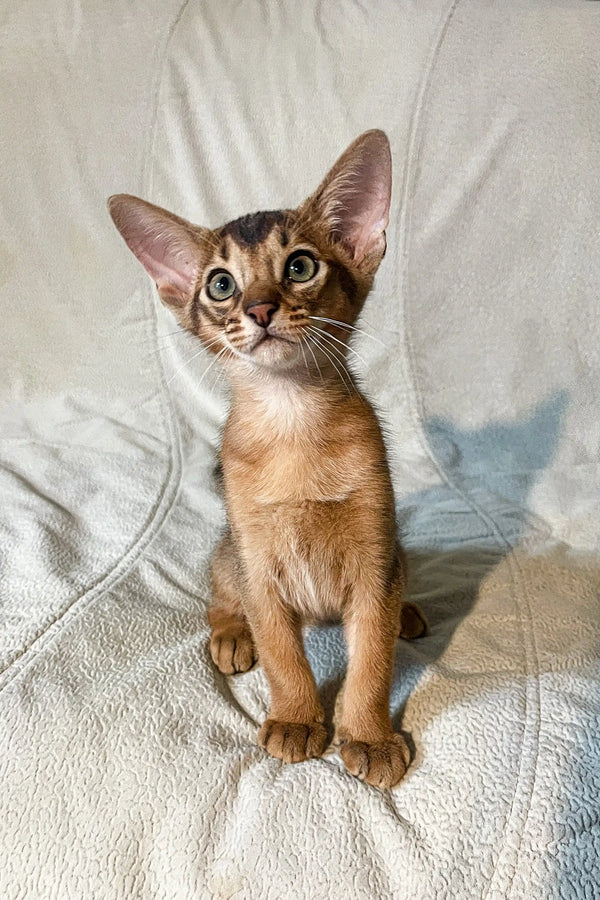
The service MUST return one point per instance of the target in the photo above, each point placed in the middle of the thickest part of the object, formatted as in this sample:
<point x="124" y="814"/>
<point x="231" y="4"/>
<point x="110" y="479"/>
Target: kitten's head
<point x="260" y="288"/>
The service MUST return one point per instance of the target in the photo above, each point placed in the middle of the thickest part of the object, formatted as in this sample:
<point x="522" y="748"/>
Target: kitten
<point x="312" y="531"/>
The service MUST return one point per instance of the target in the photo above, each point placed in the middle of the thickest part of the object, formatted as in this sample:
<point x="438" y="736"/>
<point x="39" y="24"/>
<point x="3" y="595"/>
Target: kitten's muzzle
<point x="262" y="313"/>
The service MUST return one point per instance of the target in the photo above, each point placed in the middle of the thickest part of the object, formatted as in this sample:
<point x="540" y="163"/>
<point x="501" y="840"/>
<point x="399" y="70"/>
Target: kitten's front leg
<point x="369" y="747"/>
<point x="294" y="730"/>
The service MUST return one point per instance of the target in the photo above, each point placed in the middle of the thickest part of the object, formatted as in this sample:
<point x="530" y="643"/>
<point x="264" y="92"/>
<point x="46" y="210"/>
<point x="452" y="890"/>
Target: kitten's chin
<point x="275" y="353"/>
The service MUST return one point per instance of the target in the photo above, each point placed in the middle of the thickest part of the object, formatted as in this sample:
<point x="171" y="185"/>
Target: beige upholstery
<point x="129" y="765"/>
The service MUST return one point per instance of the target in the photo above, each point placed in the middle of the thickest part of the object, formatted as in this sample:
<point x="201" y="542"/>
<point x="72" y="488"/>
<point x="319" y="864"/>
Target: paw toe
<point x="292" y="741"/>
<point x="232" y="653"/>
<point x="382" y="763"/>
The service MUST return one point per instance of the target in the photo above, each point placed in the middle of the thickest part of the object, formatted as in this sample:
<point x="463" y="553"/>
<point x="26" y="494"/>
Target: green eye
<point x="301" y="267"/>
<point x="220" y="286"/>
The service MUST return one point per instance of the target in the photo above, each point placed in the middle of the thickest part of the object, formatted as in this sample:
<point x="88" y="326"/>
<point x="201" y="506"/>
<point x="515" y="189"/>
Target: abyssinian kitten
<point x="311" y="526"/>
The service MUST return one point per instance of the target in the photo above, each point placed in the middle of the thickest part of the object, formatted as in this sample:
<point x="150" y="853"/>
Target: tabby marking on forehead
<point x="252" y="229"/>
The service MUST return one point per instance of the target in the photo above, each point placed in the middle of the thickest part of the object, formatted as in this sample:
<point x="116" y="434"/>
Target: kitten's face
<point x="260" y="289"/>
<point x="266" y="282"/>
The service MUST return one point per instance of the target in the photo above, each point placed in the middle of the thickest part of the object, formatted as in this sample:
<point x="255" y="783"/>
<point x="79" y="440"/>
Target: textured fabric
<point x="128" y="765"/>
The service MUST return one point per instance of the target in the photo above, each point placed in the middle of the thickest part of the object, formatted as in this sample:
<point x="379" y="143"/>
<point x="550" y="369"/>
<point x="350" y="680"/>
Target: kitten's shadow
<point x="450" y="548"/>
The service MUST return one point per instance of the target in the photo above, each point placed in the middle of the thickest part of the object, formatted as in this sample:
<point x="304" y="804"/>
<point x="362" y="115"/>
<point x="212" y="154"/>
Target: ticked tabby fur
<point x="311" y="527"/>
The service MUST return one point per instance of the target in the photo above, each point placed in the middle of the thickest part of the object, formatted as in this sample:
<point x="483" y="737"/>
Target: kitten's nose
<point x="262" y="313"/>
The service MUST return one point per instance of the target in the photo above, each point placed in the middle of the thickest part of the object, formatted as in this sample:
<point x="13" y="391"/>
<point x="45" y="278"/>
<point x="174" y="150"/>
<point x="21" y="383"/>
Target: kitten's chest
<point x="302" y="547"/>
<point x="288" y="453"/>
<point x="291" y="474"/>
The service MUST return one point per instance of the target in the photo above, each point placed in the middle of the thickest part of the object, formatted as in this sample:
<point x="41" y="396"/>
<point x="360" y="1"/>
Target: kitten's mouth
<point x="269" y="338"/>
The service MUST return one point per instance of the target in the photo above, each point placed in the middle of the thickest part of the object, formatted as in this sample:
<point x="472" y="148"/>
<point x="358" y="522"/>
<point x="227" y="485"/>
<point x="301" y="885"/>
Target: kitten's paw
<point x="292" y="741"/>
<point x="413" y="623"/>
<point x="232" y="650"/>
<point x="381" y="764"/>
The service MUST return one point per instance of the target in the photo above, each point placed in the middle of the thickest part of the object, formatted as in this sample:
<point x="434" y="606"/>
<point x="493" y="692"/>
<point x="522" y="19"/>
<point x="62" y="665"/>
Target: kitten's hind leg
<point x="231" y="644"/>
<point x="413" y="623"/>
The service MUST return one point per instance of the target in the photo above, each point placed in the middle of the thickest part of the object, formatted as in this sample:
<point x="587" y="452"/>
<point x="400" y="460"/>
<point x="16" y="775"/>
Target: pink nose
<point x="262" y="313"/>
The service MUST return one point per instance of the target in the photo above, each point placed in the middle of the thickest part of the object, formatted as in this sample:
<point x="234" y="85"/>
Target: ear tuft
<point x="165" y="245"/>
<point x="353" y="200"/>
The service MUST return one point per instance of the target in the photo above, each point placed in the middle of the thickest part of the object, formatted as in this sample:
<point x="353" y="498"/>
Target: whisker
<point x="219" y="354"/>
<point x="337" y="353"/>
<point x="331" y="359"/>
<point x="187" y="361"/>
<point x="331" y="337"/>
<point x="304" y="356"/>
<point x="165" y="348"/>
<point x="176" y="373"/>
<point x="314" y="357"/>
<point x="349" y="327"/>
<point x="178" y="331"/>
<point x="334" y="362"/>
<point x="152" y="338"/>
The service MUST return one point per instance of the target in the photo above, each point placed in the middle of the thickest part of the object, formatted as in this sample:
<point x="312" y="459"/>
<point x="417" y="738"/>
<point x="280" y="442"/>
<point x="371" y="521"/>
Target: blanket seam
<point x="167" y="494"/>
<point x="416" y="409"/>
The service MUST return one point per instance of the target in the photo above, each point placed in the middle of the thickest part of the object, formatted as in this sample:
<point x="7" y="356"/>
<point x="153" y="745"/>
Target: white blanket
<point x="129" y="765"/>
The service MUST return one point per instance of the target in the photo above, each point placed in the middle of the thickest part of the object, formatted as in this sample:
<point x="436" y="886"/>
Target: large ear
<point x="353" y="200"/>
<point x="166" y="246"/>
